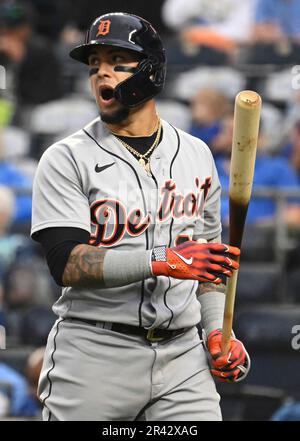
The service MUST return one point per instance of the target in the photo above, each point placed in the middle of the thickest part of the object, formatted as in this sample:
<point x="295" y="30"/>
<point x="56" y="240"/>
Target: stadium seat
<point x="239" y="402"/>
<point x="57" y="119"/>
<point x="258" y="243"/>
<point x="35" y="326"/>
<point x="15" y="143"/>
<point x="269" y="334"/>
<point x="272" y="121"/>
<point x="278" y="86"/>
<point x="266" y="286"/>
<point x="225" y="79"/>
<point x="62" y="117"/>
<point x="17" y="357"/>
<point x="175" y="113"/>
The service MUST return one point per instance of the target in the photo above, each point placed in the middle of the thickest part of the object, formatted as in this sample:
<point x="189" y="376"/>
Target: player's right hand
<point x="205" y="262"/>
<point x="231" y="367"/>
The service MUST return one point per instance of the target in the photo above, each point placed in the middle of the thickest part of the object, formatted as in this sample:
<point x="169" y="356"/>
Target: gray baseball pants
<point x="90" y="373"/>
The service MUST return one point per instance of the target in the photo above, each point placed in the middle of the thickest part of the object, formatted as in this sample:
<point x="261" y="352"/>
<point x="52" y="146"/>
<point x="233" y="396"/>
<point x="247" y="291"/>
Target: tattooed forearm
<point x="85" y="267"/>
<point x="210" y="287"/>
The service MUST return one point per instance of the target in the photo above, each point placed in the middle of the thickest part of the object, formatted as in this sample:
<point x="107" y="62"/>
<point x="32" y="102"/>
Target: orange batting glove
<point x="205" y="262"/>
<point x="232" y="367"/>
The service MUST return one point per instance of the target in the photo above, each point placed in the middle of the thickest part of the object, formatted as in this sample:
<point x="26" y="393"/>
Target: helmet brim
<point x="81" y="53"/>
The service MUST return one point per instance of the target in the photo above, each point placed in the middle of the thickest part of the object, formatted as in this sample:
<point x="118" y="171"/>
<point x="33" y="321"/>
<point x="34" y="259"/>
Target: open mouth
<point x="107" y="93"/>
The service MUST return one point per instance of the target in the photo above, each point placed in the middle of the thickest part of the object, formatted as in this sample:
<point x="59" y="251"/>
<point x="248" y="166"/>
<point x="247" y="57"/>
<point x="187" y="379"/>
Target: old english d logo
<point x="104" y="27"/>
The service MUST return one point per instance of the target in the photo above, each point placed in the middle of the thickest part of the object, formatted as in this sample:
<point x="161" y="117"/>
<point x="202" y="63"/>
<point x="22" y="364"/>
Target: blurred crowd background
<point x="214" y="49"/>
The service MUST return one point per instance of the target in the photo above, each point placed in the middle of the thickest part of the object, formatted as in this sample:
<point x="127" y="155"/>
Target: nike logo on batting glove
<point x="187" y="261"/>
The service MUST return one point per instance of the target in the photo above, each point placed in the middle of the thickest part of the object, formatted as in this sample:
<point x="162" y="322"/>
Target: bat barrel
<point x="244" y="145"/>
<point x="245" y="134"/>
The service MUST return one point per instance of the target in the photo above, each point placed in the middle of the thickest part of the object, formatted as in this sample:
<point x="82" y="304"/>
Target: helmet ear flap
<point x="140" y="87"/>
<point x="144" y="84"/>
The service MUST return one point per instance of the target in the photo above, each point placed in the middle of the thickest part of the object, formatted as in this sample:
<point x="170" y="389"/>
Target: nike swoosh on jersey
<point x="187" y="261"/>
<point x="99" y="169"/>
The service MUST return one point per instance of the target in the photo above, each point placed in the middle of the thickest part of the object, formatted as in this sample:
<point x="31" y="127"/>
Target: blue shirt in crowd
<point x="206" y="133"/>
<point x="21" y="402"/>
<point x="287" y="412"/>
<point x="285" y="13"/>
<point x="274" y="172"/>
<point x="13" y="178"/>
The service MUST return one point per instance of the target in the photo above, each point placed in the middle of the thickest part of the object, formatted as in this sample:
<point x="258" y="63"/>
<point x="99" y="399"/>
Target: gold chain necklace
<point x="143" y="160"/>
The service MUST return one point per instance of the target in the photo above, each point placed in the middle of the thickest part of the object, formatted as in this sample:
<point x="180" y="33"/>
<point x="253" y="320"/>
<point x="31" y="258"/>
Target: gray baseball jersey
<point x="89" y="180"/>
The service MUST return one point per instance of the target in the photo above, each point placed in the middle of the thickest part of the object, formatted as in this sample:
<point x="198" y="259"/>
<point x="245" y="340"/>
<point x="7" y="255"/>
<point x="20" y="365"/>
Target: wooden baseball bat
<point x="244" y="145"/>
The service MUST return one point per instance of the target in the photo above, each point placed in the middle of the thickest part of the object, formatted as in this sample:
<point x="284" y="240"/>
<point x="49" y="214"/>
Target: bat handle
<point x="228" y="312"/>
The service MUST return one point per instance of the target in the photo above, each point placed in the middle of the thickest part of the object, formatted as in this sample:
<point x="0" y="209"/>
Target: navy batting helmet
<point x="130" y="32"/>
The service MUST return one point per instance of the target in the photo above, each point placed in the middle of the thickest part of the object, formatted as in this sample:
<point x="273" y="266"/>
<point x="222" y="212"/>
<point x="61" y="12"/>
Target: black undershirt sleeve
<point x="57" y="244"/>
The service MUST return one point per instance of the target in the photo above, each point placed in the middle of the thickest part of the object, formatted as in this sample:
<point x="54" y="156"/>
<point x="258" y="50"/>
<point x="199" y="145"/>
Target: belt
<point x="152" y="335"/>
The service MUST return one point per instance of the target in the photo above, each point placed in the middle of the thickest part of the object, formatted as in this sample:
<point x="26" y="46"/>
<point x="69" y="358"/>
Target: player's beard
<point x="115" y="117"/>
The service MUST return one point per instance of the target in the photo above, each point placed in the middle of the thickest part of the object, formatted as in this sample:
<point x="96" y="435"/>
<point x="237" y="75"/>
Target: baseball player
<point x="127" y="212"/>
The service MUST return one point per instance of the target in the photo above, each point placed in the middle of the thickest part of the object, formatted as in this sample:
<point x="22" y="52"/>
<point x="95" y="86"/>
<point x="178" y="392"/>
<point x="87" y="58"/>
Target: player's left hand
<point x="231" y="367"/>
